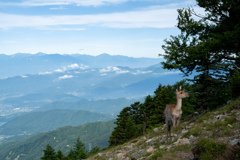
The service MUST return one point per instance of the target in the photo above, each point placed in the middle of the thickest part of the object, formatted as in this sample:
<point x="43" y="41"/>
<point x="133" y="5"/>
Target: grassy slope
<point x="210" y="134"/>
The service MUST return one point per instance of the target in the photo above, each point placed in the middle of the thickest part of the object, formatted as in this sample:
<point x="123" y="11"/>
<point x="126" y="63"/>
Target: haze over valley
<point x="41" y="93"/>
<point x="29" y="82"/>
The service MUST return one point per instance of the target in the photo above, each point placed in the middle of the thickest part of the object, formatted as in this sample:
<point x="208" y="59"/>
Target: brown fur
<point x="173" y="106"/>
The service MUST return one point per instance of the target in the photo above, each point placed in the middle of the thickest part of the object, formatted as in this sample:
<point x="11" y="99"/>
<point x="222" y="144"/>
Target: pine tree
<point x="49" y="153"/>
<point x="129" y="124"/>
<point x="71" y="155"/>
<point x="163" y="95"/>
<point x="208" y="45"/>
<point x="235" y="84"/>
<point x="136" y="113"/>
<point x="94" y="150"/>
<point x="60" y="155"/>
<point x="119" y="134"/>
<point x="79" y="150"/>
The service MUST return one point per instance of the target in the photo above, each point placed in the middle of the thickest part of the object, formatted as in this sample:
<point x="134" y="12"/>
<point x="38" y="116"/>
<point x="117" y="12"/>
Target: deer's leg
<point x="173" y="123"/>
<point x="178" y="122"/>
<point x="167" y="130"/>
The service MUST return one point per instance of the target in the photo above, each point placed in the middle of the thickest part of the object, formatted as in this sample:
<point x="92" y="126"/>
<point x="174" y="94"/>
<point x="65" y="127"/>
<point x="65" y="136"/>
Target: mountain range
<point x="41" y="79"/>
<point x="42" y="92"/>
<point x="23" y="63"/>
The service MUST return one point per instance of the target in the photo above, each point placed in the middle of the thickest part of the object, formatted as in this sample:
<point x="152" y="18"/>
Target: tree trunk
<point x="144" y="123"/>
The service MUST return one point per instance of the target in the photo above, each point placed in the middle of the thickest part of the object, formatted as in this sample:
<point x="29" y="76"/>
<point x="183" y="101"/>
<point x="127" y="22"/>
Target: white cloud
<point x="153" y="18"/>
<point x="44" y="73"/>
<point x="24" y="76"/>
<point x="103" y="74"/>
<point x="75" y="66"/>
<point x="116" y="69"/>
<point x="161" y="16"/>
<point x="122" y="71"/>
<point x="113" y="69"/>
<point x="108" y="69"/>
<point x="141" y="72"/>
<point x="59" y="28"/>
<point x="58" y="8"/>
<point x="72" y="66"/>
<point x="64" y="2"/>
<point x="82" y="66"/>
<point x="65" y="77"/>
<point x="171" y="72"/>
<point x="59" y="70"/>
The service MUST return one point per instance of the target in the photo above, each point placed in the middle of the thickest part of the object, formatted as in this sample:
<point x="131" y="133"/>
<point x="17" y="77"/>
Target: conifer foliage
<point x="49" y="153"/>
<point x="78" y="152"/>
<point x="135" y="119"/>
<point x="208" y="45"/>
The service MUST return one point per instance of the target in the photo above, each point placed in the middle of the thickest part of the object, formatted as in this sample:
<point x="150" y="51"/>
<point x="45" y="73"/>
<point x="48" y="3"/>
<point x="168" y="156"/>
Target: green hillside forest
<point x="37" y="122"/>
<point x="91" y="134"/>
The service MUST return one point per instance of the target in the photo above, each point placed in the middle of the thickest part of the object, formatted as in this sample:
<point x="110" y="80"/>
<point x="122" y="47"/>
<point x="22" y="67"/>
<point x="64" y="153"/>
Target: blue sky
<point x="133" y="28"/>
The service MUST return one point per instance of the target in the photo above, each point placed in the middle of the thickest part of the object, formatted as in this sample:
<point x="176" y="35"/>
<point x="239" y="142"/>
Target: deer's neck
<point x="179" y="104"/>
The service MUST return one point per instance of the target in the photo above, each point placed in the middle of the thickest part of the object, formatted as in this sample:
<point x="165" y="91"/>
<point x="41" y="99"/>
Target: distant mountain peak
<point x="40" y="54"/>
<point x="104" y="55"/>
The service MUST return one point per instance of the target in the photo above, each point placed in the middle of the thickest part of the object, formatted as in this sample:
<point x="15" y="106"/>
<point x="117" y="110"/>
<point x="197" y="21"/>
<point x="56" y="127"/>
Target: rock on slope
<point x="217" y="128"/>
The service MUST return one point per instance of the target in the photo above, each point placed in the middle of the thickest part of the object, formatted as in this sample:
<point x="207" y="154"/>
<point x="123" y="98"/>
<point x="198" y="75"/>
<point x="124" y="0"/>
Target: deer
<point x="173" y="112"/>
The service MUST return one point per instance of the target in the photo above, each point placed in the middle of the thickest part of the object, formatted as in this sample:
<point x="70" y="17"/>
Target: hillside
<point x="36" y="122"/>
<point x="211" y="135"/>
<point x="61" y="139"/>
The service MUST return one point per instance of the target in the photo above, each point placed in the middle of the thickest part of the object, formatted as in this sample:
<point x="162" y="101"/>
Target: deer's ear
<point x="176" y="91"/>
<point x="180" y="88"/>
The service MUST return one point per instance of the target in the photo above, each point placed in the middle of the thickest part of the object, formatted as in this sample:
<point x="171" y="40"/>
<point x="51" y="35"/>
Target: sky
<point x="134" y="28"/>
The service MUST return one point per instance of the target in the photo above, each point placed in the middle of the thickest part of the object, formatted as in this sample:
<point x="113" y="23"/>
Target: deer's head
<point x="181" y="93"/>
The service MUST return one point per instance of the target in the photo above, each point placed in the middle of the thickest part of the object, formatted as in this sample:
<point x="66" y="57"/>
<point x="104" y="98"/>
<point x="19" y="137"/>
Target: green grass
<point x="180" y="148"/>
<point x="220" y="128"/>
<point x="195" y="131"/>
<point x="227" y="132"/>
<point x="204" y="117"/>
<point x="231" y="106"/>
<point x="210" y="149"/>
<point x="157" y="154"/>
<point x="230" y="120"/>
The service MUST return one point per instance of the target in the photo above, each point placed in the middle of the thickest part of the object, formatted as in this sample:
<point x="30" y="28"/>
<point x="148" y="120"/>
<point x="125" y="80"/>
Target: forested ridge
<point x="63" y="139"/>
